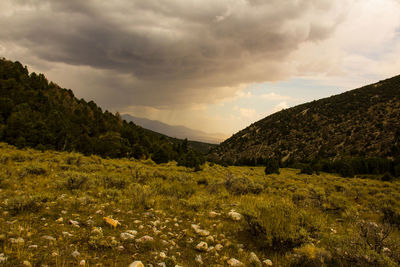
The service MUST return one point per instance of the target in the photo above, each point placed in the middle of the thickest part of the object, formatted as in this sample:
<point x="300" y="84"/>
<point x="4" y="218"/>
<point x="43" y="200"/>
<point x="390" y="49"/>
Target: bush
<point x="306" y="169"/>
<point x="35" y="169"/>
<point x="271" y="166"/>
<point x="31" y="203"/>
<point x="114" y="181"/>
<point x="387" y="177"/>
<point x="75" y="180"/>
<point x="242" y="185"/>
<point x="276" y="223"/>
<point x="309" y="255"/>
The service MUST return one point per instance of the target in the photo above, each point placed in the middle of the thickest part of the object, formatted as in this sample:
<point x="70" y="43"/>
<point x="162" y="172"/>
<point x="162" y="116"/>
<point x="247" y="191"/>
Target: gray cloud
<point x="165" y="53"/>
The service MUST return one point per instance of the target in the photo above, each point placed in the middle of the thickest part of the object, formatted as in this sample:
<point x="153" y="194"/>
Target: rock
<point x="67" y="234"/>
<point x="75" y="254"/>
<point x="132" y="232"/>
<point x="199" y="260"/>
<point x="145" y="239"/>
<point x="213" y="214"/>
<point x="235" y="215"/>
<point x="136" y="264"/>
<point x="74" y="223"/>
<point x="60" y="220"/>
<point x="82" y="263"/>
<point x="33" y="246"/>
<point x="234" y="262"/>
<point x="202" y="246"/>
<point x="137" y="221"/>
<point x="27" y="263"/>
<point x="210" y="239"/>
<point x="267" y="262"/>
<point x="162" y="264"/>
<point x="254" y="260"/>
<point x="97" y="231"/>
<point x="162" y="255"/>
<point x="50" y="238"/>
<point x="120" y="248"/>
<point x="199" y="231"/>
<point x="3" y="258"/>
<point x="218" y="247"/>
<point x="127" y="236"/>
<point x="54" y="254"/>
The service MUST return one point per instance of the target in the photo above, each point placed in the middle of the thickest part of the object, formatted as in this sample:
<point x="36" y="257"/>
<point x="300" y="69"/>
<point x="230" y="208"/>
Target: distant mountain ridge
<point x="364" y="122"/>
<point x="180" y="132"/>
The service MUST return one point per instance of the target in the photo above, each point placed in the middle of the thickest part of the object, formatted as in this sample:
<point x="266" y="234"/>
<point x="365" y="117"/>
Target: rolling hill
<point x="176" y="131"/>
<point x="364" y="122"/>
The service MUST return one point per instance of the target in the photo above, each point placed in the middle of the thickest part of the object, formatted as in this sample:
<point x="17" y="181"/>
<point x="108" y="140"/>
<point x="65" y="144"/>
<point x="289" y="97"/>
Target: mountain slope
<point x="38" y="114"/>
<point x="180" y="132"/>
<point x="363" y="122"/>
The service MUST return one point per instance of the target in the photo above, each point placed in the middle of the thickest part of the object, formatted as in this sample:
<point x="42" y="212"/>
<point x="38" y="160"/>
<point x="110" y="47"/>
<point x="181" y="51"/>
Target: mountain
<point x="40" y="114"/>
<point x="364" y="122"/>
<point x="180" y="132"/>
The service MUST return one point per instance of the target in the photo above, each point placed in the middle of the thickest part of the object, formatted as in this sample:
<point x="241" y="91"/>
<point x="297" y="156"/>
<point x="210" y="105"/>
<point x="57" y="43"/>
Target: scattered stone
<point x="60" y="220"/>
<point x="137" y="221"/>
<point x="120" y="248"/>
<point x="267" y="262"/>
<point x="3" y="258"/>
<point x="218" y="247"/>
<point x="132" y="232"/>
<point x="254" y="260"/>
<point x="67" y="234"/>
<point x="213" y="214"/>
<point x="234" y="262"/>
<point x="54" y="254"/>
<point x="235" y="215"/>
<point x="145" y="239"/>
<point x="199" y="260"/>
<point x="75" y="254"/>
<point x="162" y="255"/>
<point x="33" y="246"/>
<point x="202" y="246"/>
<point x="199" y="231"/>
<point x="82" y="263"/>
<point x="97" y="231"/>
<point x="74" y="223"/>
<point x="27" y="263"/>
<point x="136" y="264"/>
<point x="210" y="239"/>
<point x="127" y="236"/>
<point x="162" y="264"/>
<point x="50" y="238"/>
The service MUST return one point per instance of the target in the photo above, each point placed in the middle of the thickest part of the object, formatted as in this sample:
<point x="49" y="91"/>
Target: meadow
<point x="66" y="209"/>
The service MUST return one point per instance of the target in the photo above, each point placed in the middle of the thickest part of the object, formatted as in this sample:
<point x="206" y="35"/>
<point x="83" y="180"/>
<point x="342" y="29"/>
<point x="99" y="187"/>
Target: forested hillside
<point x="40" y="114"/>
<point x="361" y="123"/>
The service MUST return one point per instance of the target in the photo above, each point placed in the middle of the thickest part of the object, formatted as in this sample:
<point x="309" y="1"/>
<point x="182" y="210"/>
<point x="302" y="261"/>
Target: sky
<point x="215" y="66"/>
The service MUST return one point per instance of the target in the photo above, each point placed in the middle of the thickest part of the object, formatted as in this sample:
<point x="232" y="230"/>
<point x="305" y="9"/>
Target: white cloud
<point x="280" y="106"/>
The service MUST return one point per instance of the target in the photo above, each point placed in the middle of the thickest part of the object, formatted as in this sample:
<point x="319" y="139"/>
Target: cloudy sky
<point x="212" y="65"/>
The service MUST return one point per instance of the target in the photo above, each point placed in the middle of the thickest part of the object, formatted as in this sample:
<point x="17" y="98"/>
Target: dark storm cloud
<point x="168" y="52"/>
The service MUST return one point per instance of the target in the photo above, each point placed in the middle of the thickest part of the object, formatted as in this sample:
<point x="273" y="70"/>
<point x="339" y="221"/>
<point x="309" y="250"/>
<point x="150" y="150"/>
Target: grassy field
<point x="53" y="205"/>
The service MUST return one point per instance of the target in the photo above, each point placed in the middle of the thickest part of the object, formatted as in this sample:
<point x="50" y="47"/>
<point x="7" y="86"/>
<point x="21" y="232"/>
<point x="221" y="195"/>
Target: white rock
<point x="218" y="247"/>
<point x="199" y="260"/>
<point x="210" y="239"/>
<point x="67" y="234"/>
<point x="145" y="239"/>
<point x="97" y="230"/>
<point x="132" y="232"/>
<point x="202" y="246"/>
<point x="235" y="215"/>
<point x="267" y="263"/>
<point x="60" y="220"/>
<point x="27" y="263"/>
<point x="136" y="264"/>
<point x="234" y="262"/>
<point x="74" y="223"/>
<point x="213" y="214"/>
<point x="75" y="254"/>
<point x="33" y="246"/>
<point x="54" y="254"/>
<point x="82" y="263"/>
<point x="127" y="236"/>
<point x="120" y="248"/>
<point x="3" y="258"/>
<point x="162" y="255"/>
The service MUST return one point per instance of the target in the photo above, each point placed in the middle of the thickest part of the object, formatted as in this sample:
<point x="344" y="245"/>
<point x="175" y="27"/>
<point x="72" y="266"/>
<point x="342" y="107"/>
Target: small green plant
<point x="271" y="166"/>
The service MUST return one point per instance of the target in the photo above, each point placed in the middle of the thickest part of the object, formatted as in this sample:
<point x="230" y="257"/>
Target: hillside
<point x="363" y="122"/>
<point x="179" y="132"/>
<point x="40" y="114"/>
<point x="55" y="206"/>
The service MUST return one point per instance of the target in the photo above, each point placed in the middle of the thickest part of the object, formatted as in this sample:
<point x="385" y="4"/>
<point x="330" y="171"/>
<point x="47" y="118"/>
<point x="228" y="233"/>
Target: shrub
<point x="387" y="177"/>
<point x="242" y="185"/>
<point x="310" y="255"/>
<point x="114" y="181"/>
<point x="75" y="180"/>
<point x="30" y="203"/>
<point x="271" y="166"/>
<point x="306" y="169"/>
<point x="277" y="223"/>
<point x="35" y="169"/>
